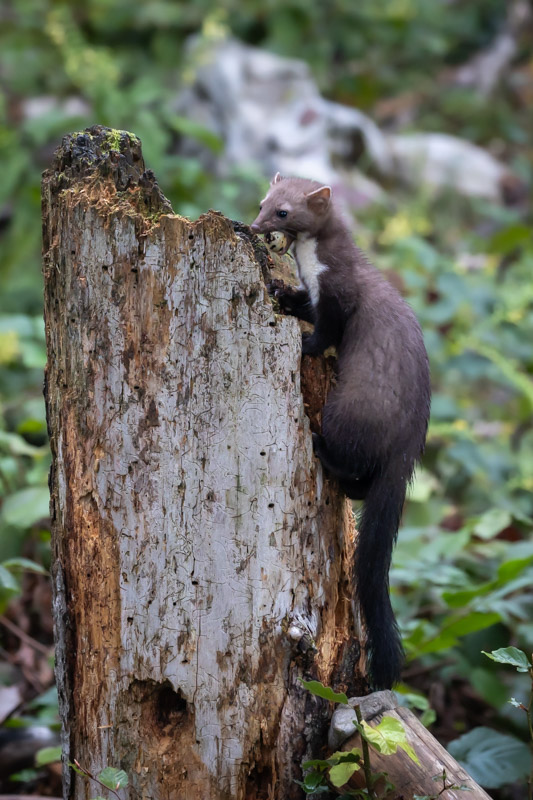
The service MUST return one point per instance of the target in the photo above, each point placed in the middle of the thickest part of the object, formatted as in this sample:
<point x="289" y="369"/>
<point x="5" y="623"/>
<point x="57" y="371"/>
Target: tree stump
<point x="201" y="560"/>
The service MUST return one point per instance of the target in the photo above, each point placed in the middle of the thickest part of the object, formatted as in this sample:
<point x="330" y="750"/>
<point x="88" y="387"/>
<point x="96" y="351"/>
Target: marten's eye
<point x="281" y="214"/>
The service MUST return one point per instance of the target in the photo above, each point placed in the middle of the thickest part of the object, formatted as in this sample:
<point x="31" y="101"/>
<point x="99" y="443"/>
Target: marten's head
<point x="293" y="205"/>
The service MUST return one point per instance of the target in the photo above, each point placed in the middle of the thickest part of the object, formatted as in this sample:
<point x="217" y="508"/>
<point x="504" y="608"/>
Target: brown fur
<point x="375" y="420"/>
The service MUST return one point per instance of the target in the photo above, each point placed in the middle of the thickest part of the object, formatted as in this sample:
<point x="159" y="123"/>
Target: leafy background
<point x="463" y="569"/>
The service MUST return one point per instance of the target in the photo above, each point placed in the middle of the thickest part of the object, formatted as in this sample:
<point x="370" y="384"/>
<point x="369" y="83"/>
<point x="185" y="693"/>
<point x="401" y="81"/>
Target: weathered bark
<point x="201" y="558"/>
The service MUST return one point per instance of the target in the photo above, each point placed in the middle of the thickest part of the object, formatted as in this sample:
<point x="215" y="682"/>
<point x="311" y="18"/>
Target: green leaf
<point x="460" y="626"/>
<point x="187" y="127"/>
<point x="509" y="570"/>
<point x="16" y="445"/>
<point x="318" y="689"/>
<point x="24" y="776"/>
<point x="345" y="757"/>
<point x="492" y="759"/>
<point x="510" y="655"/>
<point x="508" y="368"/>
<point x="24" y="565"/>
<point x="8" y="583"/>
<point x="113" y="778"/>
<point x="47" y="755"/>
<point x="23" y="509"/>
<point x="313" y="780"/>
<point x="492" y="522"/>
<point x="316" y="763"/>
<point x="509" y="238"/>
<point x="46" y="699"/>
<point x="423" y="486"/>
<point x="341" y="773"/>
<point x="388" y="736"/>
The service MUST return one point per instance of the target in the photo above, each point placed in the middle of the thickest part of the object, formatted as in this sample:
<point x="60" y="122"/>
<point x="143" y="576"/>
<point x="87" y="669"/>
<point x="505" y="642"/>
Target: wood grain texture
<point x="200" y="555"/>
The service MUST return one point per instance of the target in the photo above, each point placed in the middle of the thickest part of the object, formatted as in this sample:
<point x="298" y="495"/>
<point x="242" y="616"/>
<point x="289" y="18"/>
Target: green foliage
<point x="113" y="778"/>
<point x="491" y="758"/>
<point x="516" y="658"/>
<point x="47" y="755"/>
<point x="463" y="567"/>
<point x="9" y="583"/>
<point x="109" y="778"/>
<point x="511" y="655"/>
<point x="318" y="689"/>
<point x="387" y="737"/>
<point x="464" y="564"/>
<point x="416" y="701"/>
<point x="338" y="769"/>
<point x="347" y="763"/>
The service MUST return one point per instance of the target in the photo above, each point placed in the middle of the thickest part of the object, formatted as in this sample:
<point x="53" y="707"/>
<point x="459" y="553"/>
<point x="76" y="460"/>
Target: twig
<point x="94" y="778"/>
<point x="417" y="672"/>
<point x="366" y="756"/>
<point x="24" y="637"/>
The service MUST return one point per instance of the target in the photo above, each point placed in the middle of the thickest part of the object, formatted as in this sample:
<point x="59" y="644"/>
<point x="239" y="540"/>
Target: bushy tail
<point x="378" y="529"/>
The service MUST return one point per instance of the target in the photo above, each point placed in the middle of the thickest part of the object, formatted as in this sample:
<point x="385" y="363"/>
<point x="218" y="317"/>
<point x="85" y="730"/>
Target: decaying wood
<point x="200" y="555"/>
<point x="407" y="777"/>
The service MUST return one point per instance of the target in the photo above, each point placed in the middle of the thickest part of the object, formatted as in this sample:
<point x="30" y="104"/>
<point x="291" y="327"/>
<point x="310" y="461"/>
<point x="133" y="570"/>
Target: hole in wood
<point x="171" y="706"/>
<point x="259" y="783"/>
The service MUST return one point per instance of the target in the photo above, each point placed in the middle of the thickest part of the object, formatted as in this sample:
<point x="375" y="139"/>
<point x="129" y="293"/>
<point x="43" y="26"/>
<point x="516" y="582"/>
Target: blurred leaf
<point x="506" y="240"/>
<point x="492" y="522"/>
<point x="25" y="508"/>
<point x="491" y="758"/>
<point x="47" y="755"/>
<point x="23" y="565"/>
<point x="423" y="486"/>
<point x="8" y="583"/>
<point x="187" y="127"/>
<point x="454" y="629"/>
<point x="16" y="445"/>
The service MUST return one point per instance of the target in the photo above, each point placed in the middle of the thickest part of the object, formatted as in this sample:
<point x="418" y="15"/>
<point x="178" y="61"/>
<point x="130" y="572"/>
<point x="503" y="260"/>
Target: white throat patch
<point x="309" y="266"/>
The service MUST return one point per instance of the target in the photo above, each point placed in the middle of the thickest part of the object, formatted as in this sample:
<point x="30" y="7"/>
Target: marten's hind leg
<point x="353" y="485"/>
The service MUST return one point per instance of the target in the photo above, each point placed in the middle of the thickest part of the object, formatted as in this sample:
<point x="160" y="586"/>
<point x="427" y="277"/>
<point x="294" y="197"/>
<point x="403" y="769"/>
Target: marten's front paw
<point x="283" y="294"/>
<point x="275" y="286"/>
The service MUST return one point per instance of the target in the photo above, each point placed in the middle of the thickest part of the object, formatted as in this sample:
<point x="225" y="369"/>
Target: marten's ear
<point x="319" y="199"/>
<point x="276" y="179"/>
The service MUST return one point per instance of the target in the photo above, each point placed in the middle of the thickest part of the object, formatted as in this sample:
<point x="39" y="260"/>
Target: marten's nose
<point x="255" y="227"/>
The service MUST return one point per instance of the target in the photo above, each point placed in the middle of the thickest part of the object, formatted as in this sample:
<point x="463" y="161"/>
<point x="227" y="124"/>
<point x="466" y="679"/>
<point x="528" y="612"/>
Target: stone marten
<point x="375" y="420"/>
